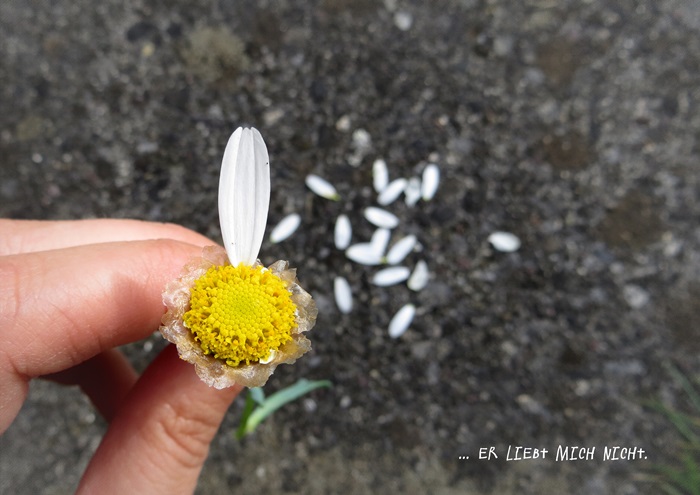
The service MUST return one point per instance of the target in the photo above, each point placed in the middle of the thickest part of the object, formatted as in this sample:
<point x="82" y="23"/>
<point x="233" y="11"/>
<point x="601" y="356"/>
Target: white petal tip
<point x="504" y="242"/>
<point x="401" y="321"/>
<point x="287" y="226"/>
<point x="343" y="294"/>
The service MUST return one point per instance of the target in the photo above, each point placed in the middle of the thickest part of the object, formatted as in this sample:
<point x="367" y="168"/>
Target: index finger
<point x="27" y="236"/>
<point x="61" y="307"/>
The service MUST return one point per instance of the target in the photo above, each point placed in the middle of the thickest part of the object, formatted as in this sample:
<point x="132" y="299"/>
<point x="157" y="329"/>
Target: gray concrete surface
<point x="572" y="124"/>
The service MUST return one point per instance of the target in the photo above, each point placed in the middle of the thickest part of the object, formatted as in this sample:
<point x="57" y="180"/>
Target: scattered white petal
<point x="379" y="241"/>
<point x="380" y="175"/>
<point x="381" y="218"/>
<point x="392" y="191"/>
<point x="343" y="294"/>
<point x="403" y="20"/>
<point x="419" y="278"/>
<point x="400" y="250"/>
<point x="244" y="195"/>
<point x="391" y="276"/>
<point x="364" y="254"/>
<point x="401" y="321"/>
<point x="504" y="242"/>
<point x="412" y="191"/>
<point x="322" y="187"/>
<point x="287" y="226"/>
<point x="343" y="232"/>
<point x="431" y="179"/>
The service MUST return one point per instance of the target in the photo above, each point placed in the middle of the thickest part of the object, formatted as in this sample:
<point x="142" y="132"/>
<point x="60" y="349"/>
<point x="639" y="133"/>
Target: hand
<point x="70" y="292"/>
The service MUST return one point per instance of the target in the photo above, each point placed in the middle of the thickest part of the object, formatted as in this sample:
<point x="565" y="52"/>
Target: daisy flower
<point x="234" y="319"/>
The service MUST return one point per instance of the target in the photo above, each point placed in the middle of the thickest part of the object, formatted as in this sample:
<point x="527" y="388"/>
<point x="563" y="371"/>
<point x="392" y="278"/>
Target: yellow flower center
<point x="240" y="314"/>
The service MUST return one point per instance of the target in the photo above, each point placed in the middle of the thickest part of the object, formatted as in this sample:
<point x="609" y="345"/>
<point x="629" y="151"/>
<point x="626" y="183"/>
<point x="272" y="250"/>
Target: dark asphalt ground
<point x="574" y="125"/>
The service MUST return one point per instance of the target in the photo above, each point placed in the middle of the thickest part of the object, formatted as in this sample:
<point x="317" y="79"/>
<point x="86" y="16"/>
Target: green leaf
<point x="687" y="386"/>
<point x="258" y="395"/>
<point x="247" y="411"/>
<point x="280" y="398"/>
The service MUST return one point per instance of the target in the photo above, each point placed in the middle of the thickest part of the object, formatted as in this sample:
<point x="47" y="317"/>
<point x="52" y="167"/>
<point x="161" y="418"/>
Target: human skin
<point x="70" y="293"/>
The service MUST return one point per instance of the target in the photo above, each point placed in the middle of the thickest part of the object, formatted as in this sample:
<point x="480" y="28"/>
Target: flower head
<point x="228" y="315"/>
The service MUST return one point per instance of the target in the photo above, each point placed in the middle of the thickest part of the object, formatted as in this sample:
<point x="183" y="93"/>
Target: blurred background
<point x="573" y="125"/>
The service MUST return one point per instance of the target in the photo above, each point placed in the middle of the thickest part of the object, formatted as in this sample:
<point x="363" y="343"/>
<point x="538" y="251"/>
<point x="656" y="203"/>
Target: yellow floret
<point x="240" y="314"/>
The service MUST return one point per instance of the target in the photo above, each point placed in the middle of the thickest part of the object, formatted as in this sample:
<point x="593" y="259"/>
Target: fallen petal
<point x="343" y="232"/>
<point x="391" y="276"/>
<point x="380" y="175"/>
<point x="379" y="241"/>
<point x="364" y="254"/>
<point x="419" y="278"/>
<point x="322" y="187"/>
<point x="343" y="294"/>
<point x="504" y="242"/>
<point x="412" y="191"/>
<point x="287" y="226"/>
<point x="431" y="179"/>
<point x="392" y="191"/>
<point x="381" y="218"/>
<point x="400" y="250"/>
<point x="401" y="321"/>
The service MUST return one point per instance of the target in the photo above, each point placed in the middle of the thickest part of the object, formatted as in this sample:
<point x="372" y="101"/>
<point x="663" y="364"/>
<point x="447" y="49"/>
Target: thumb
<point x="160" y="436"/>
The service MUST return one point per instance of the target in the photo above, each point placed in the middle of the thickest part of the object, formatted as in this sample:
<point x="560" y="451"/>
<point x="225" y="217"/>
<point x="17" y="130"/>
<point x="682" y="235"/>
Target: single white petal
<point x="401" y="321"/>
<point x="244" y="195"/>
<point x="379" y="241"/>
<point x="431" y="179"/>
<point x="363" y="253"/>
<point x="343" y="294"/>
<point x="391" y="276"/>
<point x="380" y="175"/>
<point x="504" y="242"/>
<point x="322" y="187"/>
<point x="392" y="191"/>
<point x="381" y="218"/>
<point x="343" y="232"/>
<point x="419" y="278"/>
<point x="412" y="191"/>
<point x="285" y="228"/>
<point x="400" y="250"/>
